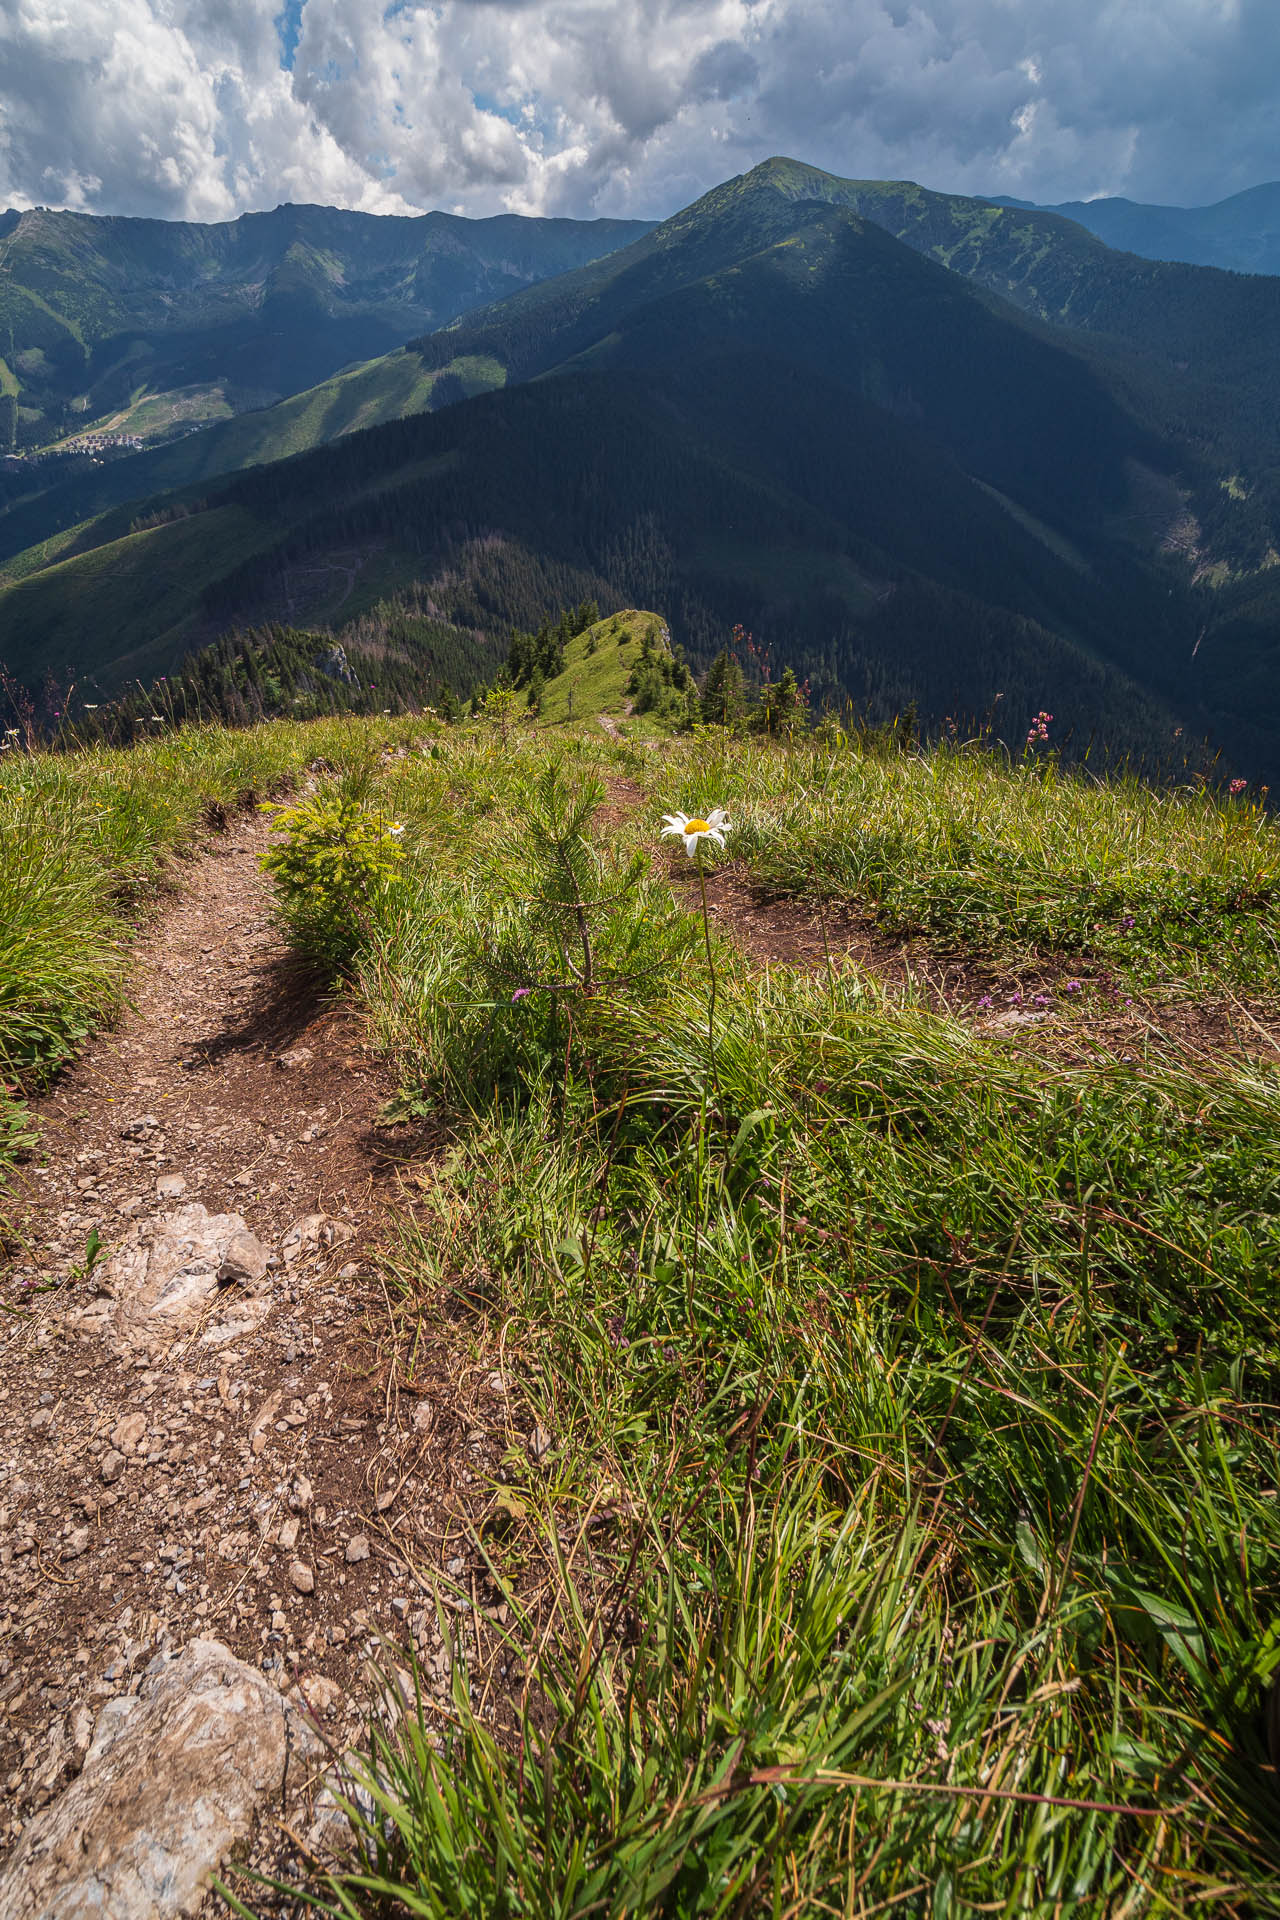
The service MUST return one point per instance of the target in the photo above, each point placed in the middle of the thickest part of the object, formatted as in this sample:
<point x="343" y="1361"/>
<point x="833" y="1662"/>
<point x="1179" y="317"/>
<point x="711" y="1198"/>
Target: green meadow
<point x="902" y="1533"/>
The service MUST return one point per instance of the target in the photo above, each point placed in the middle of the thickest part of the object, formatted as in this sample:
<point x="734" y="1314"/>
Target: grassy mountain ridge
<point x="643" y="488"/>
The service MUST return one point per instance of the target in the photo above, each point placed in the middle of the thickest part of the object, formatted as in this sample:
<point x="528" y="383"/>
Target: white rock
<point x="170" y="1784"/>
<point x="171" y="1186"/>
<point x="163" y="1280"/>
<point x="358" y="1547"/>
<point x="295" y="1057"/>
<point x="301" y="1577"/>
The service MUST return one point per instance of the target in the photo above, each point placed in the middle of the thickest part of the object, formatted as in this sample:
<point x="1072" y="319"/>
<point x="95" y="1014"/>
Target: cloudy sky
<point x="201" y="109"/>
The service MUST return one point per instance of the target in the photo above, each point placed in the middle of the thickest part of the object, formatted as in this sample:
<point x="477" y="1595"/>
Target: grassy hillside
<point x="887" y="1322"/>
<point x="130" y="598"/>
<point x="597" y="669"/>
<point x="388" y="388"/>
<point x="617" y="487"/>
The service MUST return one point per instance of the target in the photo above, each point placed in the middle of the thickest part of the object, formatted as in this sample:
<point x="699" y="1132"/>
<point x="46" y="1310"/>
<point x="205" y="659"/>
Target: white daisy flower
<point x="694" y="830"/>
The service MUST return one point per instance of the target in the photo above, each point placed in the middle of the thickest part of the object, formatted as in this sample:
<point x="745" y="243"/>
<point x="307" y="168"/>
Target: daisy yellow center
<point x="696" y="826"/>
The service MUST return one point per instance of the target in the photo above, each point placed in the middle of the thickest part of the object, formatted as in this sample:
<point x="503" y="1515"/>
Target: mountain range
<point x="142" y="328"/>
<point x="929" y="450"/>
<point x="1241" y="233"/>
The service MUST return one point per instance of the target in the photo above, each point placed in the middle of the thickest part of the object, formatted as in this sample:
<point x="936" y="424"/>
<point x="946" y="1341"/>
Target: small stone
<point x="301" y="1577"/>
<point x="301" y="1493"/>
<point x="318" y="1693"/>
<point x="77" y="1543"/>
<point x="244" y="1263"/>
<point x="294" y="1058"/>
<point x="129" y="1432"/>
<point x="289" y="1535"/>
<point x="138" y="1129"/>
<point x="171" y="1186"/>
<point x="41" y="1420"/>
<point x="112" y="1466"/>
<point x="540" y="1443"/>
<point x="357" y="1547"/>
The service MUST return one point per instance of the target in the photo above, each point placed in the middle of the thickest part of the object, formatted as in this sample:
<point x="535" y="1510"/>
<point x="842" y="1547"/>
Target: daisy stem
<point x="711" y="971"/>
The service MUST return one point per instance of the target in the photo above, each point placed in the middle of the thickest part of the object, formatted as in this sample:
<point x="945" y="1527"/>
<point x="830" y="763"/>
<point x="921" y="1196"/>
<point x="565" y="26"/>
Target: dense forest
<point x="393" y="660"/>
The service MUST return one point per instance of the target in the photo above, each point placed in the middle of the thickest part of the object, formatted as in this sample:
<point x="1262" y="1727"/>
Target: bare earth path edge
<point x="271" y="1489"/>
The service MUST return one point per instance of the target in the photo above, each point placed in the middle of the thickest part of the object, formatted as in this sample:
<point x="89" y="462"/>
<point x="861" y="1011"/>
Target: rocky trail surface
<point x="204" y="1434"/>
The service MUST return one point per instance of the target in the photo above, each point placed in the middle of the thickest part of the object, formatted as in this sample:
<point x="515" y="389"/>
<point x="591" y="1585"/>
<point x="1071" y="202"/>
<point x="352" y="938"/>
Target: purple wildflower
<point x="1072" y="986"/>
<point x="521" y="993"/>
<point x="984" y="1003"/>
<point x="1040" y="1000"/>
<point x="1237" y="786"/>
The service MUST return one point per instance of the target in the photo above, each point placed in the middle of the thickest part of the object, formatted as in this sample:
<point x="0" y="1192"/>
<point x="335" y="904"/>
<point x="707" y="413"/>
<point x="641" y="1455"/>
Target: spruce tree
<point x="724" y="696"/>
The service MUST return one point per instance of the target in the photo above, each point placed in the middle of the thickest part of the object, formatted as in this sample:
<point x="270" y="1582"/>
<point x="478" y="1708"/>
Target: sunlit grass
<point x="929" y="1384"/>
<point x="935" y="1381"/>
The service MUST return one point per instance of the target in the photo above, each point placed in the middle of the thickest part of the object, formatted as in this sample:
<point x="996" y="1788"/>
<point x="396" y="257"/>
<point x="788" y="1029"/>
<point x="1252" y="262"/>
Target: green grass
<point x="906" y="1541"/>
<point x="1176" y="888"/>
<point x="33" y="559"/>
<point x="926" y="1385"/>
<point x="86" y="843"/>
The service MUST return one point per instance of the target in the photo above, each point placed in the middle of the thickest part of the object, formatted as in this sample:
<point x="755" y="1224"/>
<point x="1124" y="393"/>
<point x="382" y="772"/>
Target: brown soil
<point x="265" y="1100"/>
<point x="1095" y="1013"/>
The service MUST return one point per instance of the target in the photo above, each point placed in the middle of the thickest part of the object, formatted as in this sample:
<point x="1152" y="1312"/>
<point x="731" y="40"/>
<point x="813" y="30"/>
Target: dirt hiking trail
<point x="205" y="1435"/>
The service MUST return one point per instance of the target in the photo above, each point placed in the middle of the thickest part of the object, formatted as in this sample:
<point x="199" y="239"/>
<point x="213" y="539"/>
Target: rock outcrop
<point x="171" y="1781"/>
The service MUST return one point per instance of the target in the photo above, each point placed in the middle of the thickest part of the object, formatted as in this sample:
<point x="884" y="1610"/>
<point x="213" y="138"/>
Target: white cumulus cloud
<point x="201" y="109"/>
